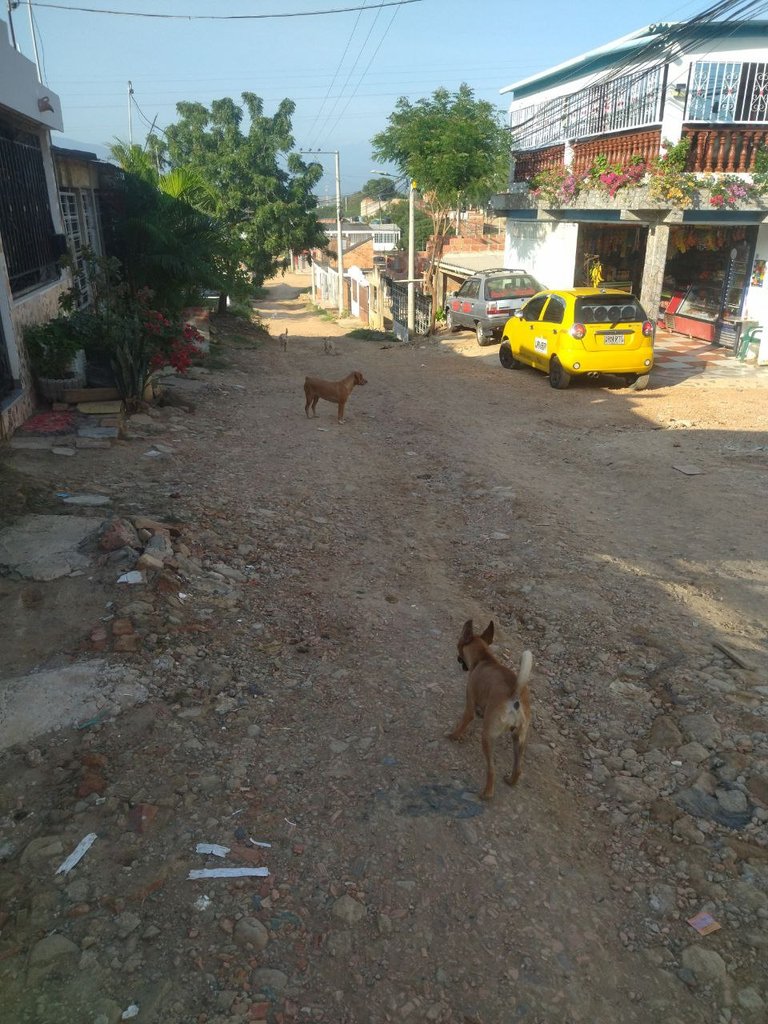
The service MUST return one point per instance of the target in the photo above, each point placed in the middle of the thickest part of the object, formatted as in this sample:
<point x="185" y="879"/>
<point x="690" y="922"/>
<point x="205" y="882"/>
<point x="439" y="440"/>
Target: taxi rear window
<point x="511" y="286"/>
<point x="608" y="309"/>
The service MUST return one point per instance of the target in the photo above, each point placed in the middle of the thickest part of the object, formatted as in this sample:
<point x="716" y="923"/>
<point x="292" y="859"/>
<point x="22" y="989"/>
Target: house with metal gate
<point x="644" y="164"/>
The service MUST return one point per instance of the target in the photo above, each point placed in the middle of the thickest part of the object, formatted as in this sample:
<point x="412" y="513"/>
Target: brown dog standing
<point x="337" y="391"/>
<point x="498" y="695"/>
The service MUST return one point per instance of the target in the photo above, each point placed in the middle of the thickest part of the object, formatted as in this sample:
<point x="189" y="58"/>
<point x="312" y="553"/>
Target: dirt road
<point x="299" y="657"/>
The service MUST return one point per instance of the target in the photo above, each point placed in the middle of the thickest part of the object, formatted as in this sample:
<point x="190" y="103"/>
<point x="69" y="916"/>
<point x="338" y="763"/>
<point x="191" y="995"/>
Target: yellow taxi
<point x="581" y="332"/>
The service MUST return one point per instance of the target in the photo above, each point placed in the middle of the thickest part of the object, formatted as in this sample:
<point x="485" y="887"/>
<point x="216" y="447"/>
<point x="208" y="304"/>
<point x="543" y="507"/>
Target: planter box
<point x="55" y="390"/>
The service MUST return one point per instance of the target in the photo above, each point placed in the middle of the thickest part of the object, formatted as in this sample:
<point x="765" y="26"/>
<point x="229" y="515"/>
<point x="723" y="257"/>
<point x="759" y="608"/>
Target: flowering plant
<point x="726" y="190"/>
<point x="556" y="186"/>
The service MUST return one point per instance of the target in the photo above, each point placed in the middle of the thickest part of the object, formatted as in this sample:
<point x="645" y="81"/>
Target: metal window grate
<point x="728" y="92"/>
<point x="26" y="225"/>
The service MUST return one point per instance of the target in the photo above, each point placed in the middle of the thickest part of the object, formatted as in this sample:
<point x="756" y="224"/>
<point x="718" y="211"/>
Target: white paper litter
<point x="229" y="873"/>
<point x="77" y="854"/>
<point x="213" y="848"/>
<point x="257" y="843"/>
<point x="134" y="576"/>
<point x="132" y="1011"/>
<point x="202" y="903"/>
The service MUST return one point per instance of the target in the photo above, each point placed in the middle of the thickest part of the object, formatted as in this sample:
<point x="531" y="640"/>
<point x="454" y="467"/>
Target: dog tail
<point x="524" y="672"/>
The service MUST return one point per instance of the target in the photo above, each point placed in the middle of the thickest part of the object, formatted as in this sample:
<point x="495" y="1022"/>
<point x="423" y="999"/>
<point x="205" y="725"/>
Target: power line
<point x="336" y="73"/>
<point x="223" y="17"/>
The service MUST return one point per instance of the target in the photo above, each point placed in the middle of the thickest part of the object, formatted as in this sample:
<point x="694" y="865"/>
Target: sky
<point x="345" y="71"/>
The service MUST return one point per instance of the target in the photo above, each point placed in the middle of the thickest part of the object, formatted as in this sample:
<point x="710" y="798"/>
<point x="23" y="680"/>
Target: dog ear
<point x="466" y="633"/>
<point x="487" y="633"/>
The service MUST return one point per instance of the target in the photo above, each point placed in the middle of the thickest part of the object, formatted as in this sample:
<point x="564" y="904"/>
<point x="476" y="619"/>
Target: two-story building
<point x="588" y="199"/>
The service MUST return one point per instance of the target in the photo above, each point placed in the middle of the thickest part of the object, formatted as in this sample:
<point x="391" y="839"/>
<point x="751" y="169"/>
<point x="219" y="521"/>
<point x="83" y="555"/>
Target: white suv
<point x="487" y="300"/>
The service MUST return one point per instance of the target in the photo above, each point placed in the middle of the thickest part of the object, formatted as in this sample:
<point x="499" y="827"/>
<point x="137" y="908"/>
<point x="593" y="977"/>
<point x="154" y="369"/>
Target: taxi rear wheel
<point x="506" y="358"/>
<point x="558" y="377"/>
<point x="638" y="383"/>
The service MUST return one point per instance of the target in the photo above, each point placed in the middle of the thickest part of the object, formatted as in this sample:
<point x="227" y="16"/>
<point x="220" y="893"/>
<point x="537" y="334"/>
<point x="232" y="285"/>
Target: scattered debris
<point x="77" y="854"/>
<point x="132" y="1011"/>
<point x="688" y="470"/>
<point x="212" y="848"/>
<point x="228" y="873"/>
<point x="704" y="923"/>
<point x="134" y="576"/>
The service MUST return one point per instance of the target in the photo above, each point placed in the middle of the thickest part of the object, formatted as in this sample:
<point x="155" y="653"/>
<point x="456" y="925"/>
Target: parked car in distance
<point x="486" y="300"/>
<point x="581" y="332"/>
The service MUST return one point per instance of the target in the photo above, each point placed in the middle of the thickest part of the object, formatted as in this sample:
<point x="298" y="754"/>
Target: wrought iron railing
<point x="396" y="294"/>
<point x="626" y="102"/>
<point x="728" y="92"/>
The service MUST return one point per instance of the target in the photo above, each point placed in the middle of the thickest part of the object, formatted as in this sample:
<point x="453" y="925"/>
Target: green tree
<point x="455" y="149"/>
<point x="169" y="239"/>
<point x="397" y="213"/>
<point x="266" y="208"/>
<point x="382" y="189"/>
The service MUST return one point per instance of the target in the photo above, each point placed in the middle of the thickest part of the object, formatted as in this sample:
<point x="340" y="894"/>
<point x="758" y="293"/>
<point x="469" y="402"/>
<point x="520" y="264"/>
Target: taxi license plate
<point x="613" y="339"/>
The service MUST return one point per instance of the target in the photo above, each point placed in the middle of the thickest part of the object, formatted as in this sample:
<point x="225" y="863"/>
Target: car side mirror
<point x="518" y="313"/>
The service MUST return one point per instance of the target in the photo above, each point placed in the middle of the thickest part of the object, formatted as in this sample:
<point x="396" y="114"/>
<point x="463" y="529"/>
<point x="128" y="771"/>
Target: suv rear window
<point x="609" y="309"/>
<point x="511" y="286"/>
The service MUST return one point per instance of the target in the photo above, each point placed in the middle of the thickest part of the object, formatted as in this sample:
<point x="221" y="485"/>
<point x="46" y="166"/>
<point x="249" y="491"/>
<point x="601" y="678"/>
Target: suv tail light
<point x="494" y="310"/>
<point x="578" y="331"/>
<point x="647" y="328"/>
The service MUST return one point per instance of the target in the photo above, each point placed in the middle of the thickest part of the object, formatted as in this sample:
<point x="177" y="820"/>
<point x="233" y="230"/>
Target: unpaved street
<point x="298" y="653"/>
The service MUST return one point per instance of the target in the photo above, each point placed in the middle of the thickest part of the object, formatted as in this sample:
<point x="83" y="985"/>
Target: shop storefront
<point x="706" y="280"/>
<point x="617" y="250"/>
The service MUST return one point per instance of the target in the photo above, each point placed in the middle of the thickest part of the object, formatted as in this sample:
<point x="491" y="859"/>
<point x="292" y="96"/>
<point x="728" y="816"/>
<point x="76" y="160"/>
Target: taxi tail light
<point x="578" y="331"/>
<point x="647" y="328"/>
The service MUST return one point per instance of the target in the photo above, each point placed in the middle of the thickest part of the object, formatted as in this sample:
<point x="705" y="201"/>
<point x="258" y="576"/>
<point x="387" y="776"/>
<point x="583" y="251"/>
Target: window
<point x="728" y="91"/>
<point x="517" y="286"/>
<point x="81" y="227"/>
<point x="26" y="225"/>
<point x="555" y="310"/>
<point x="470" y="289"/>
<point x="532" y="310"/>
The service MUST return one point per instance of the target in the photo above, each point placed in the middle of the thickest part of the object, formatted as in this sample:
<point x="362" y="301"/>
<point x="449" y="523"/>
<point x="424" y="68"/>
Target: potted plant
<point x="52" y="348"/>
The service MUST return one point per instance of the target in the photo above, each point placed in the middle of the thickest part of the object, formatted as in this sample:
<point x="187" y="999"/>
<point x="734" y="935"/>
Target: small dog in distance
<point x="284" y="340"/>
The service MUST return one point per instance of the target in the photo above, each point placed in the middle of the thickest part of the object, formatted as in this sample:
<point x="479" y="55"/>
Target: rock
<point x="117" y="533"/>
<point x="692" y="753"/>
<point x="629" y="790"/>
<point x="42" y="848"/>
<point x="707" y="966"/>
<point x="268" y="978"/>
<point x="757" y="788"/>
<point x="249" y="931"/>
<point x="662" y="898"/>
<point x="52" y="948"/>
<point x="733" y="801"/>
<point x="702" y="728"/>
<point x="160" y="547"/>
<point x="749" y="999"/>
<point x="348" y="909"/>
<point x="126" y="923"/>
<point x="699" y="804"/>
<point x="664" y="733"/>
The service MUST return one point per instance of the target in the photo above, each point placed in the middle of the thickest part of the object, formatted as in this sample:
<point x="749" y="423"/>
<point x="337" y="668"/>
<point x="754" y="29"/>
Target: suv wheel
<point x="506" y="358"/>
<point x="558" y="377"/>
<point x="481" y="338"/>
<point x="452" y="327"/>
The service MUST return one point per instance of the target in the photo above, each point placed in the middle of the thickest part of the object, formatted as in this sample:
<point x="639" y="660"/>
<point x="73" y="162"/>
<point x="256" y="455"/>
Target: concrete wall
<point x="546" y="250"/>
<point x="20" y="90"/>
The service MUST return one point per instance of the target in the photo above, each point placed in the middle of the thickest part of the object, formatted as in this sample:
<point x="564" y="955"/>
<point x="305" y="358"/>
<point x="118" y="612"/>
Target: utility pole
<point x="339" y="253"/>
<point x="130" y="113"/>
<point x="34" y="40"/>
<point x="411" y="261"/>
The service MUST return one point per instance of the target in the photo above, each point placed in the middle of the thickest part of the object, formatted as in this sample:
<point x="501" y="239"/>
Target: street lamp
<point x="411" y="251"/>
<point x="339" y="253"/>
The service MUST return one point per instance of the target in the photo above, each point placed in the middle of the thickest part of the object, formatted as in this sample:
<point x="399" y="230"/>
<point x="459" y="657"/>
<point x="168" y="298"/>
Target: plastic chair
<point x="749" y="339"/>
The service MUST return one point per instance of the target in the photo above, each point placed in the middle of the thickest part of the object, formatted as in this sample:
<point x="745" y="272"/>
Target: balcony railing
<point x="618" y="149"/>
<point x="724" y="150"/>
<point x="528" y="165"/>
